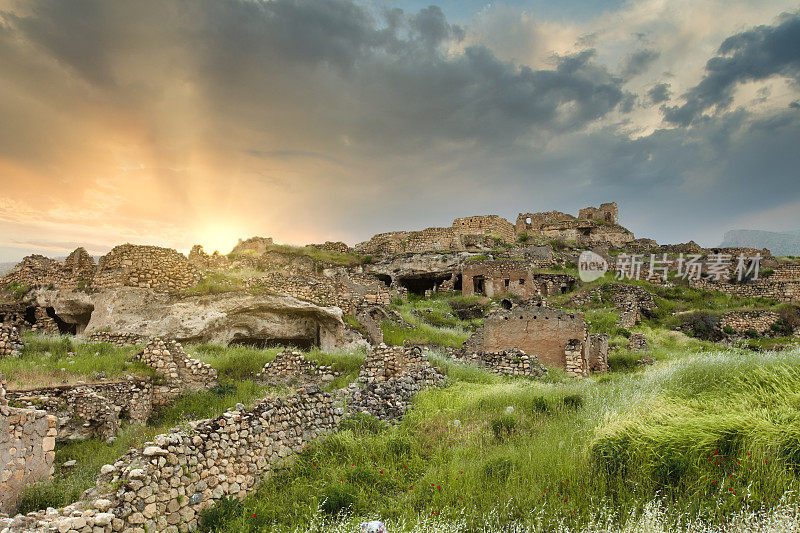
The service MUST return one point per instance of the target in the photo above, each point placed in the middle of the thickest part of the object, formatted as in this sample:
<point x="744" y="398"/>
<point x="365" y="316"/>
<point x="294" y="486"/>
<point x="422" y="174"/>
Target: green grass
<point x="432" y="321"/>
<point x="45" y="360"/>
<point x="562" y="456"/>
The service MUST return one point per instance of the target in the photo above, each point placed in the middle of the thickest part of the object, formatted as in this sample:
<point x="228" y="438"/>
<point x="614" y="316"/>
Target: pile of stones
<point x="637" y="341"/>
<point x="292" y="367"/>
<point x="180" y="371"/>
<point x="510" y="362"/>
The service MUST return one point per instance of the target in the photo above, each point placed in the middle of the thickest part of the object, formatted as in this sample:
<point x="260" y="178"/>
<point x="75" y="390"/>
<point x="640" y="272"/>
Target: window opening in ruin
<point x="506" y="304"/>
<point x="563" y="289"/>
<point x="478" y="285"/>
<point x="506" y="282"/>
<point x="521" y="281"/>
<point x="585" y="231"/>
<point x="30" y="315"/>
<point x="528" y="220"/>
<point x="420" y="283"/>
<point x="457" y="284"/>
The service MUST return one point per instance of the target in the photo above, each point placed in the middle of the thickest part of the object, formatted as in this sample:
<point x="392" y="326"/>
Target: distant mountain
<point x="787" y="243"/>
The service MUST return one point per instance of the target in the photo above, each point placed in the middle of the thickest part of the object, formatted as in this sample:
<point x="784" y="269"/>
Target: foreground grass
<point x="431" y="321"/>
<point x="708" y="437"/>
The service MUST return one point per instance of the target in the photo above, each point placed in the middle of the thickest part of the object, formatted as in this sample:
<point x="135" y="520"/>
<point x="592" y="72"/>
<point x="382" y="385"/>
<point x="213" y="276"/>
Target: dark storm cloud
<point x="659" y="93"/>
<point x="753" y="55"/>
<point x="637" y="62"/>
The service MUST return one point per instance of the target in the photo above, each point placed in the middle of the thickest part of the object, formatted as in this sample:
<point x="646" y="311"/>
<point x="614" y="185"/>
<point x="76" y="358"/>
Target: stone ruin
<point x="760" y="320"/>
<point x="291" y="367"/>
<point x="166" y="484"/>
<point x="332" y="246"/>
<point x="200" y="259"/>
<point x="637" y="341"/>
<point x="511" y="362"/>
<point x="180" y="372"/>
<point x="90" y="410"/>
<point x="10" y="342"/>
<point x="150" y="267"/>
<point x="27" y="444"/>
<point x="116" y="339"/>
<point x="257" y="245"/>
<point x="606" y="213"/>
<point x="558" y="339"/>
<point x="389" y="379"/>
<point x="499" y="277"/>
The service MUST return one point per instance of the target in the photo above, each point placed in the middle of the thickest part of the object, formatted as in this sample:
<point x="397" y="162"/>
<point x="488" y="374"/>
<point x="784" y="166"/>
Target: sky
<point x="181" y="122"/>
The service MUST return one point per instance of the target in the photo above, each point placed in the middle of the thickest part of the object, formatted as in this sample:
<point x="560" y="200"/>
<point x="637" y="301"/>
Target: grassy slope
<point x="683" y="432"/>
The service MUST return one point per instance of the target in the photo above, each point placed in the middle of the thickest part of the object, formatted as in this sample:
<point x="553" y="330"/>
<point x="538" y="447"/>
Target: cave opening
<point x="419" y="283"/>
<point x="385" y="278"/>
<point x="64" y="328"/>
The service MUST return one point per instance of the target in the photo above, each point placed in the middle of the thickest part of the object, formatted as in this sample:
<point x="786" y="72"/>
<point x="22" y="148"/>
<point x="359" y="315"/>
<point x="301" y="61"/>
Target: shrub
<point x="624" y="332"/>
<point x="781" y="327"/>
<point x="728" y="330"/>
<point x="573" y="401"/>
<point x="751" y="333"/>
<point x="503" y="426"/>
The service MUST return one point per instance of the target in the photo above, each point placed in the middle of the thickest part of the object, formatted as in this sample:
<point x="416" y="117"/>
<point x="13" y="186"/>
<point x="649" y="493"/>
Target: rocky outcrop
<point x="221" y="318"/>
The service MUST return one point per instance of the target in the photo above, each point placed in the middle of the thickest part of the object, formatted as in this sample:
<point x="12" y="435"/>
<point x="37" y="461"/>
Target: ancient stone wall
<point x="536" y="331"/>
<point x="44" y="323"/>
<point x="27" y="441"/>
<point x="89" y="410"/>
<point x="117" y="339"/>
<point x="202" y="261"/>
<point x="532" y="223"/>
<point x="152" y="267"/>
<point x="771" y="287"/>
<point x="637" y="341"/>
<point x="575" y="361"/>
<point x="290" y="367"/>
<point x="166" y="484"/>
<point x="36" y="271"/>
<point x="597" y="351"/>
<point x="507" y="363"/>
<point x="10" y="342"/>
<point x="485" y="225"/>
<point x="389" y="379"/>
<point x="257" y="245"/>
<point x="180" y="372"/>
<point x="606" y="213"/>
<point x="333" y="246"/>
<point x="495" y="278"/>
<point x="79" y="270"/>
<point x="741" y="321"/>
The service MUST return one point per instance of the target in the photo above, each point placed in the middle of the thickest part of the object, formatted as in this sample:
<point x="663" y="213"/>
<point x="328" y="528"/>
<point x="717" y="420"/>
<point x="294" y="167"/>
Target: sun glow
<point x="222" y="237"/>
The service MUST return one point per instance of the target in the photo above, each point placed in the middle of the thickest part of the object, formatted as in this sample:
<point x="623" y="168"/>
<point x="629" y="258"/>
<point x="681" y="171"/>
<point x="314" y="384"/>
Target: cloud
<point x="659" y="93"/>
<point x="637" y="62"/>
<point x="753" y="55"/>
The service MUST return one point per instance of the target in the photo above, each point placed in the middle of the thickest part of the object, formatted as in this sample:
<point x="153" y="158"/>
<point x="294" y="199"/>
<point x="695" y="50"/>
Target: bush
<point x="728" y="330"/>
<point x="503" y="427"/>
<point x="573" y="401"/>
<point x="751" y="334"/>
<point x="782" y="328"/>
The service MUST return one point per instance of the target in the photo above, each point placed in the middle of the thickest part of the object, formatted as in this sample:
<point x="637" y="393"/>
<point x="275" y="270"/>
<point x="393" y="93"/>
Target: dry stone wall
<point x="510" y="362"/>
<point x="117" y="339"/>
<point x="389" y="379"/>
<point x="166" y="484"/>
<point x="89" y="410"/>
<point x="27" y="441"/>
<point x="151" y="267"/>
<point x="486" y="225"/>
<point x="180" y="372"/>
<point x="637" y="341"/>
<point x="597" y="350"/>
<point x="291" y="367"/>
<point x="783" y="285"/>
<point x="10" y="342"/>
<point x="200" y="259"/>
<point x="741" y="321"/>
<point x="44" y="323"/>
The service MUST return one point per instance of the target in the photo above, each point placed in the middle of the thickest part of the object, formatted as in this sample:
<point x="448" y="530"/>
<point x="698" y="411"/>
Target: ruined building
<point x="556" y="338"/>
<point x="497" y="278"/>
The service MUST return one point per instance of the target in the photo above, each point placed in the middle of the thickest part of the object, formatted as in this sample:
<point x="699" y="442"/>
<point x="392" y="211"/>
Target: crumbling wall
<point x="43" y="322"/>
<point x="485" y="225"/>
<point x="117" y="339"/>
<point x="389" y="379"/>
<point x="539" y="331"/>
<point x="607" y="212"/>
<point x="256" y="245"/>
<point x="10" y="342"/>
<point x="291" y="367"/>
<point x="27" y="441"/>
<point x="333" y="246"/>
<point x="180" y="372"/>
<point x="152" y="267"/>
<point x="494" y="278"/>
<point x="202" y="261"/>
<point x="79" y="270"/>
<point x="783" y="285"/>
<point x="89" y="410"/>
<point x="510" y="362"/>
<point x="760" y="320"/>
<point x="36" y="271"/>
<point x="532" y="223"/>
<point x="637" y="341"/>
<point x="166" y="484"/>
<point x="597" y="351"/>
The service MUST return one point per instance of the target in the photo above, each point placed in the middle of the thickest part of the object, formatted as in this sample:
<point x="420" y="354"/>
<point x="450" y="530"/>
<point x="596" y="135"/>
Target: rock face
<point x="223" y="318"/>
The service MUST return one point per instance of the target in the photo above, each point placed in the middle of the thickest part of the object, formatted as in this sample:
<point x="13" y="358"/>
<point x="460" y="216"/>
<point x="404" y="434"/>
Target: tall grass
<point x="54" y="360"/>
<point x="653" y="450"/>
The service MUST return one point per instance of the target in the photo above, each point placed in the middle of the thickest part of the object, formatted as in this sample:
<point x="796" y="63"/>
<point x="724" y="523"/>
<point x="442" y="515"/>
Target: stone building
<point x="607" y="212"/>
<point x="556" y="338"/>
<point x="256" y="245"/>
<point x="496" y="278"/>
<point x="485" y="225"/>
